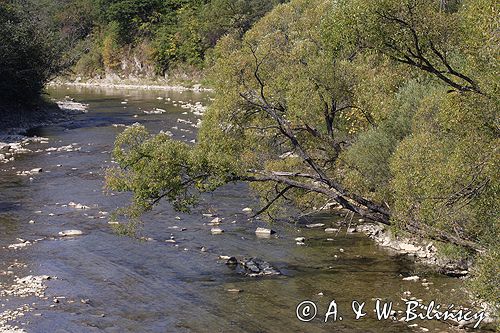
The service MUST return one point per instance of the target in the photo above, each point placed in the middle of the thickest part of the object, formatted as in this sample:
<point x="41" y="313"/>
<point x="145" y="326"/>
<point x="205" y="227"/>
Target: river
<point x="110" y="283"/>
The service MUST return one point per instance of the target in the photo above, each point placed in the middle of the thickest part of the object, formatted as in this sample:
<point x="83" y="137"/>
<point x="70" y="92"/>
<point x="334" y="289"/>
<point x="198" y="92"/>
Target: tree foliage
<point x="389" y="108"/>
<point x="29" y="52"/>
<point x="179" y="32"/>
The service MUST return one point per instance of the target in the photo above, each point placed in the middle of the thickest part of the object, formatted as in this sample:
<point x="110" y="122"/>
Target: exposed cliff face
<point x="134" y="62"/>
<point x="133" y="65"/>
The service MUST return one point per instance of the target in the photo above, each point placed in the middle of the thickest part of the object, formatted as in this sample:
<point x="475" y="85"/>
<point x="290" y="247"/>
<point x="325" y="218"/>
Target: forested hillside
<point x="389" y="108"/>
<point x="40" y="39"/>
<point x="151" y="37"/>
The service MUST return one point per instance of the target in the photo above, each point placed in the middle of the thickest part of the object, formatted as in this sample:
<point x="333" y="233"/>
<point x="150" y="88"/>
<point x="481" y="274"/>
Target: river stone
<point x="216" y="220"/>
<point x="216" y="231"/>
<point x="80" y="206"/>
<point x="4" y="148"/>
<point x="257" y="267"/>
<point x="453" y="272"/>
<point x="315" y="225"/>
<point x="409" y="247"/>
<point x="411" y="278"/>
<point x="264" y="231"/>
<point x="331" y="230"/>
<point x="247" y="210"/>
<point x="430" y="247"/>
<point x="369" y="229"/>
<point x="70" y="233"/>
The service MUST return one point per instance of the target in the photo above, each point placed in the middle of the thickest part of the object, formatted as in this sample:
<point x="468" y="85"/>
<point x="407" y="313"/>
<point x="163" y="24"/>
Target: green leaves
<point x="383" y="106"/>
<point x="29" y="53"/>
<point x="388" y="107"/>
<point x="152" y="167"/>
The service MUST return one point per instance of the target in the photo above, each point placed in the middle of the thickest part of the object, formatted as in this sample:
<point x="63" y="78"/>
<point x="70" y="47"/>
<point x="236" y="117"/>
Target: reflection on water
<point x="154" y="286"/>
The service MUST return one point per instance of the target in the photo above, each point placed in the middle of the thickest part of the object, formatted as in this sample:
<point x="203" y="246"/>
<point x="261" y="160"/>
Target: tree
<point x="315" y="89"/>
<point x="29" y="53"/>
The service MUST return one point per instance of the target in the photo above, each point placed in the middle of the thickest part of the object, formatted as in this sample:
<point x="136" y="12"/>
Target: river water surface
<point x="119" y="284"/>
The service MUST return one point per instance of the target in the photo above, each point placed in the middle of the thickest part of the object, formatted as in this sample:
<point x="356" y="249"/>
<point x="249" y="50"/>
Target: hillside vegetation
<point x="41" y="39"/>
<point x="389" y="108"/>
<point x="154" y="37"/>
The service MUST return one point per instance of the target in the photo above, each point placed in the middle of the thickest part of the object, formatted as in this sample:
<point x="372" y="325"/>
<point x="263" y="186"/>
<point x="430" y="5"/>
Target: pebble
<point x="235" y="290"/>
<point x="70" y="233"/>
<point x="216" y="231"/>
<point x="216" y="220"/>
<point x="315" y="225"/>
<point x="411" y="278"/>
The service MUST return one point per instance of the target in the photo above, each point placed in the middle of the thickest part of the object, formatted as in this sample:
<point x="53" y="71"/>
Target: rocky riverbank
<point x="16" y="120"/>
<point x="426" y="252"/>
<point x="130" y="83"/>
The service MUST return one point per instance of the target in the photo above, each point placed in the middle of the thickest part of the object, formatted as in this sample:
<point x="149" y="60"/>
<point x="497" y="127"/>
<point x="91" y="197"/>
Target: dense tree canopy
<point x="39" y="39"/>
<point x="389" y="108"/>
<point x="29" y="52"/>
<point x="167" y="33"/>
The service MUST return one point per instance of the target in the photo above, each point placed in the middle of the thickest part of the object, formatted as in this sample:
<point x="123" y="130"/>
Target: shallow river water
<point x="109" y="283"/>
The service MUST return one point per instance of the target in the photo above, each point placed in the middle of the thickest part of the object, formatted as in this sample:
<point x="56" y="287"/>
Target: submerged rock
<point x="252" y="267"/>
<point x="257" y="267"/>
<point x="231" y="261"/>
<point x="233" y="290"/>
